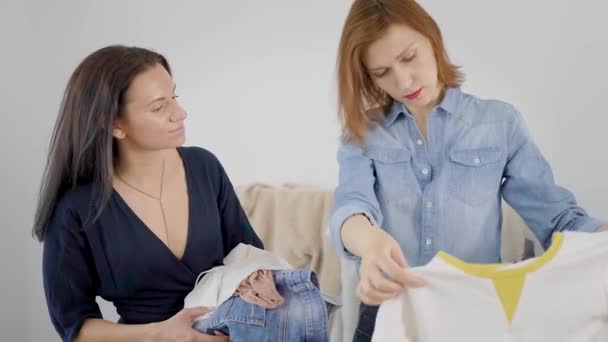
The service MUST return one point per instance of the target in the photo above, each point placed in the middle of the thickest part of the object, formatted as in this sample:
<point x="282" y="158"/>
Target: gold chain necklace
<point x="159" y="198"/>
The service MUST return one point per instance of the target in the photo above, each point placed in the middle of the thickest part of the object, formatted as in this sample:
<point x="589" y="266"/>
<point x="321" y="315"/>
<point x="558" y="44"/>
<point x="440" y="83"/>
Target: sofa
<point x="292" y="221"/>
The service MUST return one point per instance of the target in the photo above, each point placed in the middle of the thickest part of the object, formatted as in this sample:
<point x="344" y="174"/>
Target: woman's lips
<point x="177" y="130"/>
<point x="414" y="95"/>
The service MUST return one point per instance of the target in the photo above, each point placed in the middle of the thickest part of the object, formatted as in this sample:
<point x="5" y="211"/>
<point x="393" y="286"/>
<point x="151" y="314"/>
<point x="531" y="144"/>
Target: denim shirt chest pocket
<point x="475" y="175"/>
<point x="393" y="172"/>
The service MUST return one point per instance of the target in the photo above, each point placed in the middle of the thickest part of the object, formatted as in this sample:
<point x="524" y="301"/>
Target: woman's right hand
<point x="384" y="271"/>
<point x="179" y="328"/>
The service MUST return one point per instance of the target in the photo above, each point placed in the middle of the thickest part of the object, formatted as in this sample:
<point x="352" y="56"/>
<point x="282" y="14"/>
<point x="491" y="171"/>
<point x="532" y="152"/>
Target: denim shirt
<point x="445" y="193"/>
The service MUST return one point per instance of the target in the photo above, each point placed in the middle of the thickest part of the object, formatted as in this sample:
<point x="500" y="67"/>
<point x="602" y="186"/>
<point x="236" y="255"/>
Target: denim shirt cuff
<point x="590" y="225"/>
<point x="337" y="220"/>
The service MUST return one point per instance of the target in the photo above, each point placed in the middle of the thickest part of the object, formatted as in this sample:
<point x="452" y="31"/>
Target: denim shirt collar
<point x="449" y="104"/>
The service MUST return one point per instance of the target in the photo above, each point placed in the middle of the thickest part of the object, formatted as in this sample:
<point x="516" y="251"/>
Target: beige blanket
<point x="292" y="221"/>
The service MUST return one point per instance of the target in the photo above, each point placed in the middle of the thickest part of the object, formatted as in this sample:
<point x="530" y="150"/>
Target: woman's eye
<point x="382" y="74"/>
<point x="158" y="108"/>
<point x="410" y="58"/>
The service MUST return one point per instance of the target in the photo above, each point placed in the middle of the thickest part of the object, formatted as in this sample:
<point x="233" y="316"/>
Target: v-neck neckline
<point x="150" y="232"/>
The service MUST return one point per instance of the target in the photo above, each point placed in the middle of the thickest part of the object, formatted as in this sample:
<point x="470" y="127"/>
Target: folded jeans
<point x="302" y="316"/>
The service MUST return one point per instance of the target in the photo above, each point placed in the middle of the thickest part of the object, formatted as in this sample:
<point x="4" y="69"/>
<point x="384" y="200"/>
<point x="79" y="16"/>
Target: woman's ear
<point x="117" y="131"/>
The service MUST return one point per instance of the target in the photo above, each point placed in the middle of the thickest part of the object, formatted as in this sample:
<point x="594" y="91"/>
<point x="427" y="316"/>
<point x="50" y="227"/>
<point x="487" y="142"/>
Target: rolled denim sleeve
<point x="529" y="188"/>
<point x="354" y="194"/>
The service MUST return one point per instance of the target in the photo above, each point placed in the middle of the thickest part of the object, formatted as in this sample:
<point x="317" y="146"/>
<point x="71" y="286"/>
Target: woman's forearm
<point x="94" y="330"/>
<point x="358" y="234"/>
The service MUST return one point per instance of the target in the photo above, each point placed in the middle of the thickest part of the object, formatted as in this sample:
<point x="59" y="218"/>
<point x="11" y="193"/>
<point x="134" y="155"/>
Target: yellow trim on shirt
<point x="508" y="281"/>
<point x="509" y="292"/>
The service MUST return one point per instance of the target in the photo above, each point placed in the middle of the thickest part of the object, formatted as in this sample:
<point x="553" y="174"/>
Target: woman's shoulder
<point x="480" y="110"/>
<point x="199" y="156"/>
<point x="77" y="197"/>
<point x="72" y="208"/>
<point x="203" y="165"/>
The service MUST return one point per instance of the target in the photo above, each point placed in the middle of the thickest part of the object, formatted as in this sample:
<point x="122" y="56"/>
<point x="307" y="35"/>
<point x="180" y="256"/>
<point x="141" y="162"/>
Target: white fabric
<point x="564" y="300"/>
<point x="219" y="283"/>
<point x="515" y="235"/>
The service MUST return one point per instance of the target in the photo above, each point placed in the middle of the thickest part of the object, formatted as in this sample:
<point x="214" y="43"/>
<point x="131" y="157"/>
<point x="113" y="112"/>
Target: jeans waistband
<point x="292" y="278"/>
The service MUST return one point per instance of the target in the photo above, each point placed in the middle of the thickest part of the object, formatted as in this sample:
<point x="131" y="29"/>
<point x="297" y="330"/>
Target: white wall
<point x="268" y="68"/>
<point x="15" y="190"/>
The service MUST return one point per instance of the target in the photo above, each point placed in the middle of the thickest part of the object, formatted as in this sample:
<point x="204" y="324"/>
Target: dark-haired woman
<point x="128" y="214"/>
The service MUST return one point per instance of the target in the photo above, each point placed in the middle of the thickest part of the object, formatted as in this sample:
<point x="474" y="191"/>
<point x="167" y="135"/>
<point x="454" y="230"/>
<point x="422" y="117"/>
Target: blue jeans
<point x="302" y="317"/>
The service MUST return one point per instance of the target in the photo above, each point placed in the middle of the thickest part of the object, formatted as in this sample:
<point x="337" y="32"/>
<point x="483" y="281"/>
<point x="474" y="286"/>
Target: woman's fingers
<point x="385" y="272"/>
<point x="403" y="276"/>
<point x="374" y="287"/>
<point x="369" y="295"/>
<point x="193" y="313"/>
<point x="381" y="283"/>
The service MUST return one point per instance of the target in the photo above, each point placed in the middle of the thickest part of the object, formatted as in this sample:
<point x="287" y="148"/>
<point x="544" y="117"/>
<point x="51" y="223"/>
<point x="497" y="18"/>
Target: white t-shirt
<point x="559" y="296"/>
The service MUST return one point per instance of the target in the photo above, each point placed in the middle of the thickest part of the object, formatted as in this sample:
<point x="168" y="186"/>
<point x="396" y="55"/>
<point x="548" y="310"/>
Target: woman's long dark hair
<point x="82" y="148"/>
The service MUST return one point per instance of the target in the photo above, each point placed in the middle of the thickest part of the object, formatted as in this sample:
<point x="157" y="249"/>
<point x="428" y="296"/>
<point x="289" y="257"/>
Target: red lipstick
<point x="414" y="95"/>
